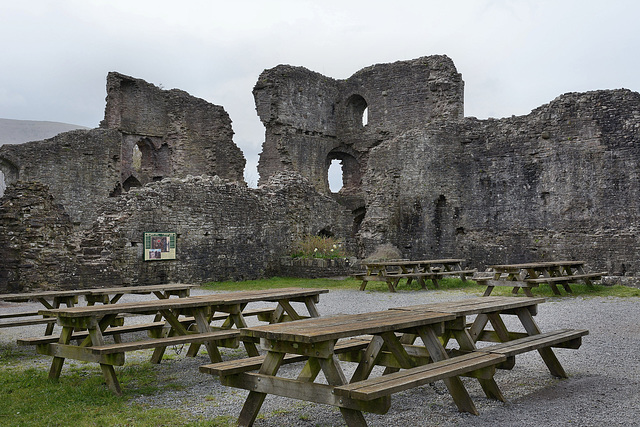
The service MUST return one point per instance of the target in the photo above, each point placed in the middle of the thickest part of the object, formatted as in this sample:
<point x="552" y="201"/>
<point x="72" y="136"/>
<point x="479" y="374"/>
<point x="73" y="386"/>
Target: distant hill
<point x="19" y="131"/>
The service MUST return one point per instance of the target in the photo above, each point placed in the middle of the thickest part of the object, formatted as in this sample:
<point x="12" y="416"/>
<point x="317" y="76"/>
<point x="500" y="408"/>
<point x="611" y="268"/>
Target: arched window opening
<point x="335" y="176"/>
<point x="130" y="183"/>
<point x="358" y="110"/>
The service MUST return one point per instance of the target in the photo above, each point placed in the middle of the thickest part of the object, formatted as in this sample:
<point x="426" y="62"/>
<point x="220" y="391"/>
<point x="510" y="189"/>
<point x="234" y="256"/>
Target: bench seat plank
<point x="377" y="387"/>
<point x="567" y="279"/>
<point x="535" y="342"/>
<point x="232" y="367"/>
<point x="27" y="322"/>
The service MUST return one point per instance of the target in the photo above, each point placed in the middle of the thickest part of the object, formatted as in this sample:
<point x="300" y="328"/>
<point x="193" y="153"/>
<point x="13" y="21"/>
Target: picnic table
<point x="182" y="321"/>
<point x="69" y="298"/>
<point x="530" y="275"/>
<point x="387" y="338"/>
<point x="393" y="271"/>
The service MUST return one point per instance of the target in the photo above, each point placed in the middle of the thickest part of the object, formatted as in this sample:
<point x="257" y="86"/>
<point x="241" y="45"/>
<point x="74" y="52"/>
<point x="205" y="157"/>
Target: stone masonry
<point x="560" y="182"/>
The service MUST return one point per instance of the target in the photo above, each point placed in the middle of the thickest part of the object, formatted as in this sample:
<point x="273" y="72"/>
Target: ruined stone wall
<point x="35" y="240"/>
<point x="79" y="168"/>
<point x="311" y="119"/>
<point x="224" y="231"/>
<point x="176" y="133"/>
<point x="561" y="182"/>
<point x="232" y="232"/>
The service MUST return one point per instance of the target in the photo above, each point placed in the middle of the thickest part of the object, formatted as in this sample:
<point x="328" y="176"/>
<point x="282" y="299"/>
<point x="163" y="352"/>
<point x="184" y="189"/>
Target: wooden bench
<point x="490" y="283"/>
<point x="232" y="367"/>
<point x="568" y="279"/>
<point x="562" y="338"/>
<point x="195" y="338"/>
<point x="16" y="319"/>
<point x="117" y="330"/>
<point x="377" y="387"/>
<point x="462" y="365"/>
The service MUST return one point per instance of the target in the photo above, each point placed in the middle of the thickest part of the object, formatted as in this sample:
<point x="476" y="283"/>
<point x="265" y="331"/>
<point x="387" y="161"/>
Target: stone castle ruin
<point x="560" y="182"/>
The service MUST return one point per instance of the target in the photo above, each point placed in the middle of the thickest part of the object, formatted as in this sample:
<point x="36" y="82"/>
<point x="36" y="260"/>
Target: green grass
<point x="447" y="283"/>
<point x="80" y="398"/>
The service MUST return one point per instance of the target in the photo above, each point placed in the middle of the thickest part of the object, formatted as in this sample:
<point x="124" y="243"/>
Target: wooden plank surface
<point x="535" y="342"/>
<point x="476" y="305"/>
<point x="377" y="387"/>
<point x="150" y="307"/>
<point x="30" y="296"/>
<point x="160" y="342"/>
<point x="344" y="326"/>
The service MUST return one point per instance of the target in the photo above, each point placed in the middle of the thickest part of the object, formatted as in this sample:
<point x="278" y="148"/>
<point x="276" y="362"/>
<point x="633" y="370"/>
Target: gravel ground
<point x="603" y="387"/>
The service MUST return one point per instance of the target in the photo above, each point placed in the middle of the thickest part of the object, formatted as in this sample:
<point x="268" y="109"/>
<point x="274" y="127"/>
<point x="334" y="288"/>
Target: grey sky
<point x="513" y="55"/>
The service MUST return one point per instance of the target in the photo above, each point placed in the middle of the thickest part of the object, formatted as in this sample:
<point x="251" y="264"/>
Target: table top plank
<point x="476" y="305"/>
<point x="345" y="326"/>
<point x="543" y="264"/>
<point x="152" y="306"/>
<point x="144" y="289"/>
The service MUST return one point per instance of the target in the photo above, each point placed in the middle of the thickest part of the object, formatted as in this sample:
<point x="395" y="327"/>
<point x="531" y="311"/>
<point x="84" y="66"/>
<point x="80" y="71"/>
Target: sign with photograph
<point x="159" y="246"/>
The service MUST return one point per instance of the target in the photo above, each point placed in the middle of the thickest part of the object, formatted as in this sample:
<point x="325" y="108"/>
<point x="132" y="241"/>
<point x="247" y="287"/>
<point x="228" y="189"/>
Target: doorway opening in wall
<point x="335" y="176"/>
<point x="3" y="184"/>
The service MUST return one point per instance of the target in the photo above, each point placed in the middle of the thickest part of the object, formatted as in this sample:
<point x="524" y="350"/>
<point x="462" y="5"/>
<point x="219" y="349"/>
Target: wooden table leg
<point x="58" y="362"/>
<point x="203" y="326"/>
<point x="454" y="384"/>
<point x="254" y="401"/>
<point x="311" y="307"/>
<point x="335" y="376"/>
<point x="489" y="385"/>
<point x="547" y="354"/>
<point x="108" y="371"/>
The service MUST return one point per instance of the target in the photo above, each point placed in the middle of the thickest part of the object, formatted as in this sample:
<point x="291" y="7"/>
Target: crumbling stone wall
<point x="173" y="133"/>
<point x="311" y="119"/>
<point x="561" y="182"/>
<point x="35" y="240"/>
<point x="79" y="168"/>
<point x="225" y="231"/>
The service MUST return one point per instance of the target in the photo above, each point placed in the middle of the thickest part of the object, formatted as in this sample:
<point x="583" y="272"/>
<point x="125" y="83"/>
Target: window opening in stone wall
<point x="136" y="158"/>
<point x="130" y="183"/>
<point x="335" y="176"/>
<point x="345" y="166"/>
<point x="3" y="184"/>
<point x="358" y="111"/>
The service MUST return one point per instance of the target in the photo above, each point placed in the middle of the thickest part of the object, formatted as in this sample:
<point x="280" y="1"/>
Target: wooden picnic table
<point x="393" y="271"/>
<point x="69" y="298"/>
<point x="387" y="338"/>
<point x="528" y="275"/>
<point x="185" y="321"/>
<point x="491" y="309"/>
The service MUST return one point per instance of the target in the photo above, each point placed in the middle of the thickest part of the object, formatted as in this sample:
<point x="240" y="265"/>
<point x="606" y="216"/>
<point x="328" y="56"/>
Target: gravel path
<point x="603" y="387"/>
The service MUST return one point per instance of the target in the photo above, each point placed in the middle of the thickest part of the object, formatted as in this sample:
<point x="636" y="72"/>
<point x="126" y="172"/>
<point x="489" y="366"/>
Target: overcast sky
<point x="513" y="55"/>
